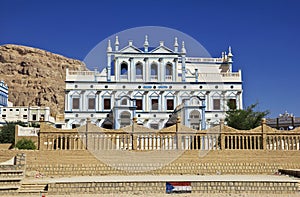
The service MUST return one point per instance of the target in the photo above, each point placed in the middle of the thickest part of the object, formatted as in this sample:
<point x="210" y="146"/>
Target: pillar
<point x="203" y="121"/>
<point x="222" y="136"/>
<point x="183" y="68"/>
<point x="264" y="135"/>
<point x="178" y="137"/>
<point x="108" y="66"/>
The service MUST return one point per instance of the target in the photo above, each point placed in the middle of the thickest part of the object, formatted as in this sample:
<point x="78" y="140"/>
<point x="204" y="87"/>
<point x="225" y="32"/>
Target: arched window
<point x="125" y="119"/>
<point x="139" y="70"/>
<point x="195" y="101"/>
<point x="154" y="71"/>
<point x="169" y="72"/>
<point x="169" y="69"/>
<point x="124" y="101"/>
<point x="124" y="68"/>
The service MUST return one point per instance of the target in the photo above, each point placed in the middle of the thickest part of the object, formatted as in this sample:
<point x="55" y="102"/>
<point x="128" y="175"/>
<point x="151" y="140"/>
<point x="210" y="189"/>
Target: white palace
<point x="155" y="86"/>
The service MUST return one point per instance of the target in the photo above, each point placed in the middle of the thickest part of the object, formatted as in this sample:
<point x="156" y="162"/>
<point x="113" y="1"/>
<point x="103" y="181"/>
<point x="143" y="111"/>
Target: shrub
<point x="26" y="144"/>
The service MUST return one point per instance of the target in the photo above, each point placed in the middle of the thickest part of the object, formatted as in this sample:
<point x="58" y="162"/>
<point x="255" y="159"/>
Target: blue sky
<point x="264" y="35"/>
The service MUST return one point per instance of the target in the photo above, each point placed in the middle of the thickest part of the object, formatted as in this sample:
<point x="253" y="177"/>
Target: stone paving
<point x="165" y="178"/>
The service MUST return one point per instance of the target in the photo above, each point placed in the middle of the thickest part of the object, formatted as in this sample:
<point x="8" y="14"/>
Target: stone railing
<point x="211" y="60"/>
<point x="81" y="72"/>
<point x="176" y="137"/>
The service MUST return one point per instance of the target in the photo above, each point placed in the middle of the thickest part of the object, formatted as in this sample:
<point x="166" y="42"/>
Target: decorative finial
<point x="130" y="42"/>
<point x="176" y="42"/>
<point x="117" y="43"/>
<point x="229" y="52"/>
<point x="161" y="43"/>
<point x="146" y="44"/>
<point x="176" y="45"/>
<point x="109" y="49"/>
<point x="183" y="48"/>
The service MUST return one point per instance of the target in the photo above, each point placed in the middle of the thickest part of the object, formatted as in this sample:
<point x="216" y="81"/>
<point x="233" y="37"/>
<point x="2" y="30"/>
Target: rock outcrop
<point x="35" y="77"/>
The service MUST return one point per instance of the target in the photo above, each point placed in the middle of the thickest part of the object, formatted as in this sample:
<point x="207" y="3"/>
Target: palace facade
<point x="155" y="86"/>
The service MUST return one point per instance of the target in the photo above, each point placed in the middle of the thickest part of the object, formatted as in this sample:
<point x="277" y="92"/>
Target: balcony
<point x="154" y="77"/>
<point x="123" y="77"/>
<point x="139" y="77"/>
<point x="169" y="78"/>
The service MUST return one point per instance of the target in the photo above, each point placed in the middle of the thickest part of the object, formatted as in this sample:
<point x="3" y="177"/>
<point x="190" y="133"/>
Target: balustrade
<point x="147" y="141"/>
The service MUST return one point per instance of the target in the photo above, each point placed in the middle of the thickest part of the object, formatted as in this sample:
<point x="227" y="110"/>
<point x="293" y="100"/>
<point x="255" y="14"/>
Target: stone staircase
<point x="83" y="163"/>
<point x="11" y="174"/>
<point x="33" y="188"/>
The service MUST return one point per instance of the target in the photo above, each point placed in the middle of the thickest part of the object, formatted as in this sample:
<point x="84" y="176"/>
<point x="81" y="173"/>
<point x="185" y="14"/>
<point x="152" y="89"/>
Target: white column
<point x="67" y="103"/>
<point x="163" y="70"/>
<point x="132" y="65"/>
<point x="175" y="70"/>
<point x="240" y="100"/>
<point x="145" y="102"/>
<point x="146" y="70"/>
<point x="159" y="78"/>
<point x="162" y="101"/>
<point x="82" y="99"/>
<point x="117" y="69"/>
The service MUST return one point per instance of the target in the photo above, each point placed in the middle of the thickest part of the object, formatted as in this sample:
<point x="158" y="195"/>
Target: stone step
<point x="33" y="187"/>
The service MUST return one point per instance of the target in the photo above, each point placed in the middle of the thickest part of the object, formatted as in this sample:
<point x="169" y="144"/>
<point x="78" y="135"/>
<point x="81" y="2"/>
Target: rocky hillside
<point x="35" y="77"/>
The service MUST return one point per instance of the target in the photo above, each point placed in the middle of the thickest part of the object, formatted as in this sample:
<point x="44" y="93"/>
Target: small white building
<point x="153" y="85"/>
<point x="25" y="114"/>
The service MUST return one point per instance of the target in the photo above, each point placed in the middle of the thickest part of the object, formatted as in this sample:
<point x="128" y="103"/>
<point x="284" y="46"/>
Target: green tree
<point x="244" y="119"/>
<point x="7" y="132"/>
<point x="25" y="144"/>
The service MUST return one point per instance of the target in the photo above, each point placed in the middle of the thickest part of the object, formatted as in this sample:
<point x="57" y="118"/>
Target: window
<point x="169" y="70"/>
<point x="139" y="104"/>
<point x="91" y="104"/>
<point x="232" y="103"/>
<point x="34" y="117"/>
<point x="25" y="109"/>
<point x="170" y="104"/>
<point x="42" y="117"/>
<point x="154" y="72"/>
<point x="75" y="103"/>
<point x="107" y="103"/>
<point x="124" y="102"/>
<point x="154" y="104"/>
<point x="195" y="101"/>
<point x="139" y="71"/>
<point x="4" y="116"/>
<point x="124" y="69"/>
<point x="154" y="126"/>
<point x="154" y="69"/>
<point x="17" y="109"/>
<point x="4" y="109"/>
<point x="10" y="109"/>
<point x="24" y="116"/>
<point x="217" y="104"/>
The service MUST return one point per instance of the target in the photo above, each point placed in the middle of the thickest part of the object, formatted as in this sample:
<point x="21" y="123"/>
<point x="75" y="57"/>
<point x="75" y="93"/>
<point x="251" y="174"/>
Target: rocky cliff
<point x="35" y="77"/>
